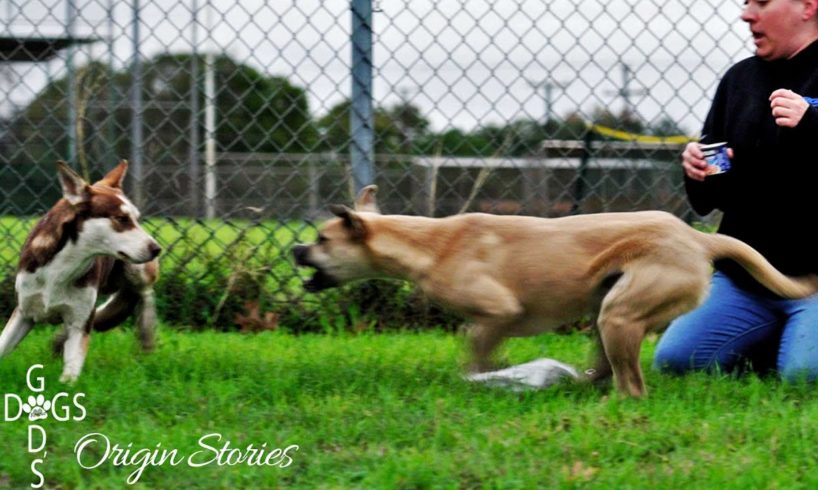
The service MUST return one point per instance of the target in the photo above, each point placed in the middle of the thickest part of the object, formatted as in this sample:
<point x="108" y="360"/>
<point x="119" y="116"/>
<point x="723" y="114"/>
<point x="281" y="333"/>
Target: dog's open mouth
<point x="319" y="281"/>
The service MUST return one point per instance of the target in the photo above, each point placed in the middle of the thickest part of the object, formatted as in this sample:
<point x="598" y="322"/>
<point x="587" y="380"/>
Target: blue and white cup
<point x="716" y="157"/>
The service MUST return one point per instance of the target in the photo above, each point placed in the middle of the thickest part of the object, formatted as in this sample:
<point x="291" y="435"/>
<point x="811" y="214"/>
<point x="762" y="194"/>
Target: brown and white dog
<point x="89" y="243"/>
<point x="517" y="275"/>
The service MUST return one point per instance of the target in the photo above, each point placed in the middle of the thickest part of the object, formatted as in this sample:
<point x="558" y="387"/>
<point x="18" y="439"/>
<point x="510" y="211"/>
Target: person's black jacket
<point x="769" y="197"/>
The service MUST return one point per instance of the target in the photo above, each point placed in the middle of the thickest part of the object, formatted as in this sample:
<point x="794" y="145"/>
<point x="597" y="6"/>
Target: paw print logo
<point x="37" y="408"/>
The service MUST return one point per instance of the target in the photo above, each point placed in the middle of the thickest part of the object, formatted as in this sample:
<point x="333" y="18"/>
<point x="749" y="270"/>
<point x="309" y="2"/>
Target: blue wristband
<point x="812" y="101"/>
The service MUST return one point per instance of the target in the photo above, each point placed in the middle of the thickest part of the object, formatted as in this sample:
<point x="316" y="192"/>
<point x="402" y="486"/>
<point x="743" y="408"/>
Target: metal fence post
<point x="136" y="112"/>
<point x="361" y="124"/>
<point x="193" y="165"/>
<point x="210" y="138"/>
<point x="110" y="122"/>
<point x="582" y="170"/>
<point x="70" y="14"/>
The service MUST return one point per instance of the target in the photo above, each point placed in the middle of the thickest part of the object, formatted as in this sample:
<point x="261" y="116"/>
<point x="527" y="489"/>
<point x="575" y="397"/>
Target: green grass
<point x="391" y="411"/>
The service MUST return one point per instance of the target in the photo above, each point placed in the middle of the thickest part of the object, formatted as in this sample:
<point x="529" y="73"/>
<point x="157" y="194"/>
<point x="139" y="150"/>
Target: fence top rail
<point x="625" y="149"/>
<point x="536" y="163"/>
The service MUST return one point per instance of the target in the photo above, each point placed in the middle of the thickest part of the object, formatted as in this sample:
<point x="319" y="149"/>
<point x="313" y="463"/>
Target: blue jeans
<point x="735" y="329"/>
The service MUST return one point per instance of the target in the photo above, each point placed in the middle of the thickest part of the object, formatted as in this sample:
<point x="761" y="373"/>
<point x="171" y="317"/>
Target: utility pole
<point x="403" y="115"/>
<point x="548" y="86"/>
<point x="626" y="92"/>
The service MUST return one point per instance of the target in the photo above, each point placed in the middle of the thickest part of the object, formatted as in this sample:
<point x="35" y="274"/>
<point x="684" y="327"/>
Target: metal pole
<point x="210" y="138"/>
<point x="193" y="170"/>
<point x="70" y="14"/>
<point x="111" y="152"/>
<point x="210" y="127"/>
<point x="314" y="180"/>
<point x="361" y="118"/>
<point x="626" y="92"/>
<point x="136" y="114"/>
<point x="582" y="171"/>
<point x="548" y="92"/>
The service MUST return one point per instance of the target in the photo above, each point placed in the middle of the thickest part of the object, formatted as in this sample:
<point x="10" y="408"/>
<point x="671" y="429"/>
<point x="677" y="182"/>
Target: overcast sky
<point x="463" y="63"/>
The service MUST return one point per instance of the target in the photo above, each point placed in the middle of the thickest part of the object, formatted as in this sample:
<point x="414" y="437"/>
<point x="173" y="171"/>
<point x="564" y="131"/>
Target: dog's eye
<point x="122" y="220"/>
<point x="322" y="239"/>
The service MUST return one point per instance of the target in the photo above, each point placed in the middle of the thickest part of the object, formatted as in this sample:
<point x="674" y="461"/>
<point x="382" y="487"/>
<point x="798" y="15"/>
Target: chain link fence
<point x="242" y="122"/>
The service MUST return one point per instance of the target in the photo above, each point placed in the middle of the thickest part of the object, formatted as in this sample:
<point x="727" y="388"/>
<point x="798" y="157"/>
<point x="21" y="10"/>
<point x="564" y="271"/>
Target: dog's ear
<point x="366" y="200"/>
<point x="352" y="222"/>
<point x="74" y="188"/>
<point x="116" y="176"/>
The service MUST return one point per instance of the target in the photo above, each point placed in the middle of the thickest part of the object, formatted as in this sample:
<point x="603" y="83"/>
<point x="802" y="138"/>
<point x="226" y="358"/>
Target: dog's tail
<point x="116" y="310"/>
<point x="726" y="247"/>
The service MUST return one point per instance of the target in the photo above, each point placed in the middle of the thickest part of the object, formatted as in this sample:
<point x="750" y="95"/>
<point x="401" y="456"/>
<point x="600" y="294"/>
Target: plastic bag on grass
<point x="533" y="375"/>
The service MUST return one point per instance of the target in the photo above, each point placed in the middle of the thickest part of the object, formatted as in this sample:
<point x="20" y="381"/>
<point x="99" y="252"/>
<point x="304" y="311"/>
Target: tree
<point x="456" y="142"/>
<point x="255" y="113"/>
<point x="399" y="129"/>
<point x="624" y="121"/>
<point x="666" y="127"/>
<point x="409" y="123"/>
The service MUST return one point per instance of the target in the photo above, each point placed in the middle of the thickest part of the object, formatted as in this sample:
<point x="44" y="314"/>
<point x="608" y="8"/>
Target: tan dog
<point x="517" y="276"/>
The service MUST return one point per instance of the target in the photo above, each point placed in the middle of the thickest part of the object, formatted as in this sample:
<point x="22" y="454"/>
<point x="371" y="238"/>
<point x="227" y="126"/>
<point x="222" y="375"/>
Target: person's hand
<point x="787" y="107"/>
<point x="693" y="162"/>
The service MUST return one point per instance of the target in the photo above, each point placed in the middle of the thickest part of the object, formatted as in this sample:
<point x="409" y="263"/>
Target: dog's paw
<point x="69" y="378"/>
<point x="37" y="408"/>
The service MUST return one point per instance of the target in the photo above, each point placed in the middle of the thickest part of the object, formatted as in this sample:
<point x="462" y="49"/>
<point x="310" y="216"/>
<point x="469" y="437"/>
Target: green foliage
<point x="402" y="129"/>
<point x="666" y="127"/>
<point x="624" y="121"/>
<point x="392" y="411"/>
<point x="456" y="142"/>
<point x="255" y="113"/>
<point x="397" y="129"/>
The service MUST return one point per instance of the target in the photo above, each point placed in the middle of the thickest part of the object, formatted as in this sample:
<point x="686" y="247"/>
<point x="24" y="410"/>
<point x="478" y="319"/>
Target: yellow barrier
<point x="624" y="135"/>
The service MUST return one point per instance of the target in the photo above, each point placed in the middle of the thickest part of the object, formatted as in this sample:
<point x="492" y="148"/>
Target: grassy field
<point x="391" y="411"/>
